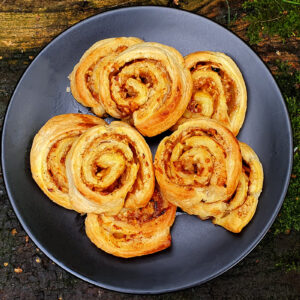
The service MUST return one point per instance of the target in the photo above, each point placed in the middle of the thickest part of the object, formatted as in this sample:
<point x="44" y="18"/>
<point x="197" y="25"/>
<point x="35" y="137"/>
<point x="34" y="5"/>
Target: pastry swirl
<point x="241" y="207"/>
<point x="109" y="167"/>
<point x="198" y="167"/>
<point x="133" y="232"/>
<point x="146" y="84"/>
<point x="49" y="150"/>
<point x="84" y="79"/>
<point x="219" y="90"/>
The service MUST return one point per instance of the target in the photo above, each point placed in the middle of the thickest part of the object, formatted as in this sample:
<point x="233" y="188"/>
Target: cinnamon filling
<point x="128" y="93"/>
<point x="229" y="85"/>
<point x="155" y="208"/>
<point x="189" y="167"/>
<point x="118" y="183"/>
<point x="56" y="162"/>
<point x="88" y="79"/>
<point x="207" y="85"/>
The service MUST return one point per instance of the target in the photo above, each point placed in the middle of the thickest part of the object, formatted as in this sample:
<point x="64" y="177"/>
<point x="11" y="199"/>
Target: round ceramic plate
<point x="200" y="250"/>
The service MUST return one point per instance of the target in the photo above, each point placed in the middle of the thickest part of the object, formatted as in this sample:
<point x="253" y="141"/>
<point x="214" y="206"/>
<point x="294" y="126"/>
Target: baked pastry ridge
<point x="148" y="85"/>
<point x="198" y="167"/>
<point x="109" y="167"/>
<point x="49" y="150"/>
<point x="133" y="232"/>
<point x="242" y="206"/>
<point x="84" y="79"/>
<point x="219" y="90"/>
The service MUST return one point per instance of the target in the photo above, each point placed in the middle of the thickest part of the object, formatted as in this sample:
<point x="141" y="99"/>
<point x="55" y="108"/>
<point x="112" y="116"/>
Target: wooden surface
<point x="26" y="26"/>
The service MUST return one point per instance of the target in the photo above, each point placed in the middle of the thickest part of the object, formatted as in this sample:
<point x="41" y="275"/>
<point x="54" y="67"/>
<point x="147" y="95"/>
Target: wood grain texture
<point x="29" y="25"/>
<point x="40" y="21"/>
<point x="25" y="272"/>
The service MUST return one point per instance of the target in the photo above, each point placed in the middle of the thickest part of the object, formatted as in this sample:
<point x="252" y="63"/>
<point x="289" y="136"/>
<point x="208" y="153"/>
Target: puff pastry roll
<point x="49" y="150"/>
<point x="84" y="79"/>
<point x="109" y="167"/>
<point x="146" y="84"/>
<point x="219" y="90"/>
<point x="241" y="207"/>
<point x="133" y="232"/>
<point x="198" y="167"/>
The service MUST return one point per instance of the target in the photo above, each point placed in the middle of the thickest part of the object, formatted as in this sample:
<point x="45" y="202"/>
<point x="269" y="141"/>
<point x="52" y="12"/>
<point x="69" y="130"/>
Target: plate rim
<point x="250" y="247"/>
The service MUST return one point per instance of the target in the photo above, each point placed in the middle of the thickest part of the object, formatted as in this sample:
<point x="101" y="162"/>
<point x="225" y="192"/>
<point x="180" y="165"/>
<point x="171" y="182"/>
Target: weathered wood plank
<point x="32" y="24"/>
<point x="41" y="6"/>
<point x="37" y="27"/>
<point x="29" y="25"/>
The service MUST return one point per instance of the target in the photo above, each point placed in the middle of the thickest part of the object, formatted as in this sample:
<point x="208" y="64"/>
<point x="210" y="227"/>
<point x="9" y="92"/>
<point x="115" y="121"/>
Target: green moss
<point x="272" y="17"/>
<point x="290" y="261"/>
<point x="288" y="80"/>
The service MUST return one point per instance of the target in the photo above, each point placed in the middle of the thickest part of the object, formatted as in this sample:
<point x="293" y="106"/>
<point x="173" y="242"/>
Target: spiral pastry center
<point x="109" y="167"/>
<point x="107" y="164"/>
<point x="198" y="161"/>
<point x="229" y="87"/>
<point x="203" y="103"/>
<point x="208" y="96"/>
<point x="139" y="85"/>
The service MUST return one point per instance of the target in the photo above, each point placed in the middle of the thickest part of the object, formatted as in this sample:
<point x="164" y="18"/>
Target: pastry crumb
<point x="26" y="239"/>
<point x="5" y="264"/>
<point x="14" y="232"/>
<point x="68" y="90"/>
<point x="38" y="260"/>
<point x="18" y="270"/>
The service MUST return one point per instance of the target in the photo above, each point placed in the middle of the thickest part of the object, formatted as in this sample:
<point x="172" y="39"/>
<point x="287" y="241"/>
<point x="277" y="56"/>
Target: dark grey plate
<point x="200" y="251"/>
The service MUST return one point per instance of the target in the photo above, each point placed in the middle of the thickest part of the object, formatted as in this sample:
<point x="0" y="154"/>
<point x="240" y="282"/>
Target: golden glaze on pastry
<point x="241" y="207"/>
<point x="148" y="84"/>
<point x="84" y="79"/>
<point x="133" y="232"/>
<point x="49" y="150"/>
<point x="219" y="90"/>
<point x="108" y="167"/>
<point x="198" y="167"/>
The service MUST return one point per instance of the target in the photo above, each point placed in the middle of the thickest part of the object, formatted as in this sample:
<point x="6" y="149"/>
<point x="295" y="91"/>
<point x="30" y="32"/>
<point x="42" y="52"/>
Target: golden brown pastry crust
<point x="84" y="79"/>
<point x="148" y="84"/>
<point x="242" y="206"/>
<point x="198" y="167"/>
<point x="219" y="90"/>
<point x="108" y="167"/>
<point x="133" y="232"/>
<point x="49" y="150"/>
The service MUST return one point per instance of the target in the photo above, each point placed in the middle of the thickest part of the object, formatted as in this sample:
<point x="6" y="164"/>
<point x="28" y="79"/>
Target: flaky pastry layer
<point x="109" y="167"/>
<point x="133" y="232"/>
<point x="147" y="85"/>
<point x="241" y="207"/>
<point x="198" y="167"/>
<point x="219" y="90"/>
<point x="84" y="79"/>
<point x="49" y="150"/>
